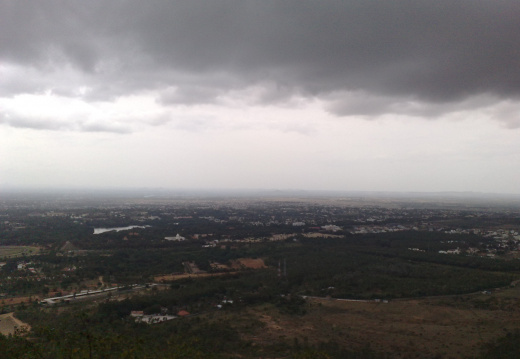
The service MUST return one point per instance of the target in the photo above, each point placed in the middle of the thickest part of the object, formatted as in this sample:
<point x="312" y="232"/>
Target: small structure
<point x="68" y="247"/>
<point x="153" y="318"/>
<point x="177" y="238"/>
<point x="183" y="313"/>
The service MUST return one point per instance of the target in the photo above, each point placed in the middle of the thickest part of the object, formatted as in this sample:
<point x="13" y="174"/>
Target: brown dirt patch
<point x="172" y="277"/>
<point x="219" y="266"/>
<point x="10" y="325"/>
<point x="403" y="328"/>
<point x="238" y="264"/>
<point x="249" y="263"/>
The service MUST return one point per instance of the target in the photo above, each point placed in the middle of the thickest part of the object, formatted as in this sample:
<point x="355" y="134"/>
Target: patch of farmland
<point x="18" y="251"/>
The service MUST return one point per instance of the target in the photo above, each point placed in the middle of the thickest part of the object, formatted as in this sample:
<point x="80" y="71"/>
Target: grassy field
<point x="18" y="251"/>
<point x="445" y="327"/>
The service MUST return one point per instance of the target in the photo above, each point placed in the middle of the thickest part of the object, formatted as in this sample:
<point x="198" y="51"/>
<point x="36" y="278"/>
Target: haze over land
<point x="400" y="96"/>
<point x="302" y="274"/>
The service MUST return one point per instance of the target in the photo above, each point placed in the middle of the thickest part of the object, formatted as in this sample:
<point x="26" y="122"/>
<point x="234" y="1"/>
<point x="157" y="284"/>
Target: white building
<point x="177" y="238"/>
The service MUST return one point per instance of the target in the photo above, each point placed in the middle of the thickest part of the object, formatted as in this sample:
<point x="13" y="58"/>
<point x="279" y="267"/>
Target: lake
<point x="117" y="229"/>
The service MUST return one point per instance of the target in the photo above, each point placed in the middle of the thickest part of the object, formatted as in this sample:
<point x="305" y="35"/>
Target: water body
<point x="117" y="229"/>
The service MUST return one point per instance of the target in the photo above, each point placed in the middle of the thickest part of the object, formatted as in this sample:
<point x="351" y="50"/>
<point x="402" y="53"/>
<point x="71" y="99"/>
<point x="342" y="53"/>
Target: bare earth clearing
<point x="9" y="324"/>
<point x="170" y="277"/>
<point x="241" y="263"/>
<point x="450" y="328"/>
<point x="248" y="263"/>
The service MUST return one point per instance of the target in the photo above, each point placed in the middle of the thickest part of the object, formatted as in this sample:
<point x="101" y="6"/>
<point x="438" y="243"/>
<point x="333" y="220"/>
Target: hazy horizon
<point x="252" y="192"/>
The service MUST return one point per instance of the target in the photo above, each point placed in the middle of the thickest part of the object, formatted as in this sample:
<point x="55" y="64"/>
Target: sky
<point x="382" y="95"/>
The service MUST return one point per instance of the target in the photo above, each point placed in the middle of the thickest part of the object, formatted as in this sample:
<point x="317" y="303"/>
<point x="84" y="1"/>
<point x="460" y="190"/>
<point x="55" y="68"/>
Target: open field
<point x="18" y="251"/>
<point x="9" y="324"/>
<point x="18" y="300"/>
<point x="425" y="328"/>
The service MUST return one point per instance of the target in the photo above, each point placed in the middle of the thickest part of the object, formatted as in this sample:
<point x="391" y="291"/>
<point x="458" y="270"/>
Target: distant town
<point x="178" y="262"/>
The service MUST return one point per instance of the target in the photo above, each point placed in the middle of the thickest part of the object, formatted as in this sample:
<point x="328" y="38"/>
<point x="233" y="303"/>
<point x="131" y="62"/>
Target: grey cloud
<point x="508" y="113"/>
<point x="28" y="122"/>
<point x="431" y="55"/>
<point x="188" y="95"/>
<point x="104" y="127"/>
<point x="53" y="124"/>
<point x="370" y="105"/>
<point x="195" y="123"/>
<point x="16" y="79"/>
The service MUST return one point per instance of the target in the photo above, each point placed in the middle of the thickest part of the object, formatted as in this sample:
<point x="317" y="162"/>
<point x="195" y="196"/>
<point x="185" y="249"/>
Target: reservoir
<point x="117" y="229"/>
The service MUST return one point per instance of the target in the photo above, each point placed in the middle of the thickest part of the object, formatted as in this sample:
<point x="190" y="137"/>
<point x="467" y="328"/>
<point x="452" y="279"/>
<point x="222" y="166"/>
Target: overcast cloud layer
<point x="130" y="66"/>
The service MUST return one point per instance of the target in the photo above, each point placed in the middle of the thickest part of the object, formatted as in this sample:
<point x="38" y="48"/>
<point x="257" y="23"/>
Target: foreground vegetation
<point x="269" y="307"/>
<point x="475" y="326"/>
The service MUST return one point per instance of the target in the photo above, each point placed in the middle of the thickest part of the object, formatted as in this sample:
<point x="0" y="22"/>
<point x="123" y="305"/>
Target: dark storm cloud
<point x="431" y="53"/>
